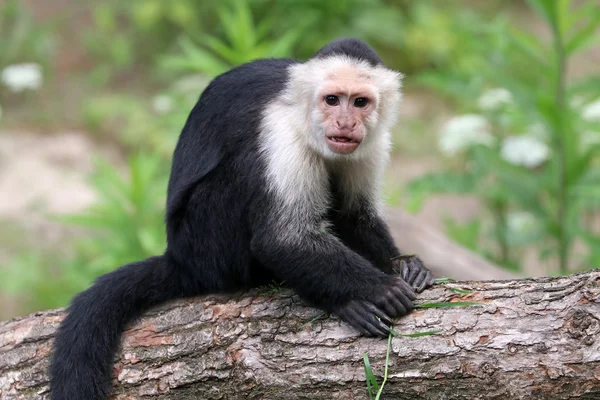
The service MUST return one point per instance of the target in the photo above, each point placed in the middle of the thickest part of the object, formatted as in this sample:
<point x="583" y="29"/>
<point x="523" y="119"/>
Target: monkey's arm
<point x="330" y="275"/>
<point x="367" y="233"/>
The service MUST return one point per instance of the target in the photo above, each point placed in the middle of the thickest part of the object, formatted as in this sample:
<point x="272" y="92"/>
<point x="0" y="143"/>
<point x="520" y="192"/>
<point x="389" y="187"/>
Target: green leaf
<point x="443" y="182"/>
<point x="545" y="8"/>
<point x="194" y="59"/>
<point x="585" y="36"/>
<point x="444" y="280"/>
<point x="414" y="335"/>
<point x="448" y="304"/>
<point x="372" y="385"/>
<point x="220" y="48"/>
<point x="530" y="46"/>
<point x="465" y="233"/>
<point x="318" y="317"/>
<point x="561" y="14"/>
<point x="461" y="291"/>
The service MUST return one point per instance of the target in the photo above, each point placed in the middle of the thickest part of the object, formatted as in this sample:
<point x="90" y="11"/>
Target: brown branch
<point x="442" y="255"/>
<point x="533" y="338"/>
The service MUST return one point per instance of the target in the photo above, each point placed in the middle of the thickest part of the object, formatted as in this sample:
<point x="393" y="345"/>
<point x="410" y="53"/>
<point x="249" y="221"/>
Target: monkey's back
<point x="216" y="173"/>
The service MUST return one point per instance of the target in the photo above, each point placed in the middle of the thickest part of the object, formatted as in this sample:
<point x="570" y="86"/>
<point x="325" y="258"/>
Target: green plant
<point x="374" y="389"/>
<point x="22" y="38"/>
<point x="530" y="183"/>
<point x="125" y="225"/>
<point x="128" y="217"/>
<point x="128" y="36"/>
<point x="243" y="41"/>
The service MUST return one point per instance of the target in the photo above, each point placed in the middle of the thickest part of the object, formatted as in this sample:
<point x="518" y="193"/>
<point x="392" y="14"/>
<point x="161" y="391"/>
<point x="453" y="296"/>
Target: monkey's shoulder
<point x="263" y="76"/>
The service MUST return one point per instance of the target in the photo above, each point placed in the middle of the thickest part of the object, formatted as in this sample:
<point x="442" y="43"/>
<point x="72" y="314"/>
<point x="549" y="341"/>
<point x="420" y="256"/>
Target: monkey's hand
<point x="414" y="272"/>
<point x="373" y="317"/>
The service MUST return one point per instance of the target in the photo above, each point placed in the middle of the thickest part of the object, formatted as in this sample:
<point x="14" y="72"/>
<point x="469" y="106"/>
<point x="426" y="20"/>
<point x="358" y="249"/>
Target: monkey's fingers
<point x="364" y="320"/>
<point x="374" y="319"/>
<point x="415" y="269"/>
<point x="405" y="269"/>
<point x="423" y="280"/>
<point x="393" y="306"/>
<point x="365" y="317"/>
<point x="404" y="297"/>
<point x="405" y="288"/>
<point x="381" y="315"/>
<point x="416" y="274"/>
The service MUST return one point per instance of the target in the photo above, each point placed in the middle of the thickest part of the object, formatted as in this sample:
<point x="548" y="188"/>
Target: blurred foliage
<point x="243" y="41"/>
<point x="147" y="61"/>
<point x="22" y="38"/>
<point x="546" y="197"/>
<point x="125" y="225"/>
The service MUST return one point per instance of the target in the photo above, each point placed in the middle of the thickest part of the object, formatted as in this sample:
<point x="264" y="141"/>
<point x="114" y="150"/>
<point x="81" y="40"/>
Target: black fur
<point x="351" y="47"/>
<point x="221" y="238"/>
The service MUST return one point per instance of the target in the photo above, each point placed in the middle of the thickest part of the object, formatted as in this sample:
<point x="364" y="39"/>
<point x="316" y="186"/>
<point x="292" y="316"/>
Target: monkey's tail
<point x="87" y="339"/>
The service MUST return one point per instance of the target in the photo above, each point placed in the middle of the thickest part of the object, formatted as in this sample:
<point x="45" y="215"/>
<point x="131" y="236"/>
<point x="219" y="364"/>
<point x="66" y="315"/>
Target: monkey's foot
<point x="413" y="271"/>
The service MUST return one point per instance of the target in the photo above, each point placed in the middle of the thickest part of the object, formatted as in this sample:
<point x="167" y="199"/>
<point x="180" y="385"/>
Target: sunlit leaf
<point x="585" y="36"/>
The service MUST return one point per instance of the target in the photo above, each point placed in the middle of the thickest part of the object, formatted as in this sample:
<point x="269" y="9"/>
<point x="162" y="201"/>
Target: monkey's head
<point x="351" y="103"/>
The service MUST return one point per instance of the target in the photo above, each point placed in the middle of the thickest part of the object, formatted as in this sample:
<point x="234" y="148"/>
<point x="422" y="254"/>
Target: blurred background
<point x="498" y="145"/>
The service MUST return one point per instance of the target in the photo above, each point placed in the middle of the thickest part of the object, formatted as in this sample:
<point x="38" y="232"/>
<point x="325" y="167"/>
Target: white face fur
<point x="350" y="105"/>
<point x="334" y="116"/>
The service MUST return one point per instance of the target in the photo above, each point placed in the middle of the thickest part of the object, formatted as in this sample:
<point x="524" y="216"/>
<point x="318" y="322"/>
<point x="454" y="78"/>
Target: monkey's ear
<point x="189" y="168"/>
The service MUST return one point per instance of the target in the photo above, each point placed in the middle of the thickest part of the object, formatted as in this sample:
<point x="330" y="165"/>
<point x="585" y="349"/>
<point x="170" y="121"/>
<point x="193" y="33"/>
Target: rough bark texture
<point x="534" y="338"/>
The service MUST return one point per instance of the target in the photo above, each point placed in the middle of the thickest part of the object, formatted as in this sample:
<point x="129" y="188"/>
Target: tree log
<point x="438" y="252"/>
<point x="533" y="338"/>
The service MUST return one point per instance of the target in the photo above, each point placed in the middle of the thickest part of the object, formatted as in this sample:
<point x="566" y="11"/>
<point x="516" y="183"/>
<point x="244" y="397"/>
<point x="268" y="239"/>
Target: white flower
<point x="521" y="225"/>
<point x="524" y="150"/>
<point x="577" y="101"/>
<point x="464" y="131"/>
<point x="19" y="77"/>
<point x="538" y="130"/>
<point x="162" y="104"/>
<point x="591" y="112"/>
<point x="519" y="221"/>
<point x="494" y="99"/>
<point x="589" y="138"/>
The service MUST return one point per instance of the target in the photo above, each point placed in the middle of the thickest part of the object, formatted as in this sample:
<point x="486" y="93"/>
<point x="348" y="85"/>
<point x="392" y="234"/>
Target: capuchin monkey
<point x="276" y="176"/>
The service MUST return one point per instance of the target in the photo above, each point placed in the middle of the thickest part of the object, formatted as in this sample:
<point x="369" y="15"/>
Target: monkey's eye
<point x="332" y="100"/>
<point x="361" y="102"/>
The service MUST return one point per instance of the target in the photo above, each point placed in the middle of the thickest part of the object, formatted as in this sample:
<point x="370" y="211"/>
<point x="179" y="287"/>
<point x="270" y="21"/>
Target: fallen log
<point x="531" y="338"/>
<point x="438" y="252"/>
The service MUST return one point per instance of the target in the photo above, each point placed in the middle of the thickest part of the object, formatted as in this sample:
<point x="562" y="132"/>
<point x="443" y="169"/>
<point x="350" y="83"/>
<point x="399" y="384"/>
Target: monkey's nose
<point x="345" y="124"/>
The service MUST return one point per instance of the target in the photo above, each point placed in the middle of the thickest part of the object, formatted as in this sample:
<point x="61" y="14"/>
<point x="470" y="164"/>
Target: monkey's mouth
<point x="342" y="144"/>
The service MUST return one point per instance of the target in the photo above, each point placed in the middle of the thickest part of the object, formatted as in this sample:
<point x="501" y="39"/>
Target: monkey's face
<point x="346" y="101"/>
<point x="342" y="108"/>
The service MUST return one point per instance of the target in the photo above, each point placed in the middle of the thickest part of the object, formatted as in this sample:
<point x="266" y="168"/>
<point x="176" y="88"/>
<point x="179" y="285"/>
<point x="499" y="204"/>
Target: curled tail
<point x="88" y="338"/>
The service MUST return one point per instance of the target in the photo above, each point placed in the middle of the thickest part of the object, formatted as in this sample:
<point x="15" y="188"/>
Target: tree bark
<point x="533" y="338"/>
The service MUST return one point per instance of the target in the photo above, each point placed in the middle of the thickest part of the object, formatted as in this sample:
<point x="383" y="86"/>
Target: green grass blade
<point x="448" y="304"/>
<point x="372" y="384"/>
<point x="324" y="314"/>
<point x="413" y="335"/>
<point x="387" y="363"/>
<point x="444" y="280"/>
<point x="461" y="291"/>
